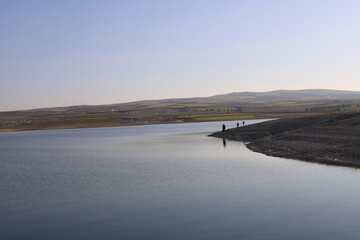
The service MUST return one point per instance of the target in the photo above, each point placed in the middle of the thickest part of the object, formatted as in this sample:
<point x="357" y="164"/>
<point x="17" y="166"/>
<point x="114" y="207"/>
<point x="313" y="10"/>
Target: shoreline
<point x="24" y="128"/>
<point x="26" y="122"/>
<point x="331" y="139"/>
<point x="59" y="127"/>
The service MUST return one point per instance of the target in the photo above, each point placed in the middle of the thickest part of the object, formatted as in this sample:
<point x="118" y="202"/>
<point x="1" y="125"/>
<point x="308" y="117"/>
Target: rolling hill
<point x="236" y="105"/>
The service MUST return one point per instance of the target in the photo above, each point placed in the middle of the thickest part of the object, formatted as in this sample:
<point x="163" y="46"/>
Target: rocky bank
<point x="330" y="139"/>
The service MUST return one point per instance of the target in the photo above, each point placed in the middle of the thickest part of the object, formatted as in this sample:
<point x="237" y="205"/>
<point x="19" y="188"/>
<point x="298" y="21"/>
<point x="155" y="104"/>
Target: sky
<point x="61" y="53"/>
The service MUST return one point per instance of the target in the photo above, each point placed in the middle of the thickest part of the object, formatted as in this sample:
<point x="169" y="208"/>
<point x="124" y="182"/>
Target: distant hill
<point x="289" y="95"/>
<point x="223" y="100"/>
<point x="231" y="106"/>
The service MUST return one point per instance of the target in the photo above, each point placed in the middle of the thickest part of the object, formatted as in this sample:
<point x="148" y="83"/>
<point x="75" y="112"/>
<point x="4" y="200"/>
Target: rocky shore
<point x="329" y="139"/>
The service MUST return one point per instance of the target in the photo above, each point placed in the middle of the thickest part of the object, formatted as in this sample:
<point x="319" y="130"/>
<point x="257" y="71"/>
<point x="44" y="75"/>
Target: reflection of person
<point x="224" y="142"/>
<point x="223" y="127"/>
<point x="243" y="123"/>
<point x="237" y="124"/>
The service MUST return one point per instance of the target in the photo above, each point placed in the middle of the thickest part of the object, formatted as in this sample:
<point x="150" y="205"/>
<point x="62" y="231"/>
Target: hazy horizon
<point x="67" y="53"/>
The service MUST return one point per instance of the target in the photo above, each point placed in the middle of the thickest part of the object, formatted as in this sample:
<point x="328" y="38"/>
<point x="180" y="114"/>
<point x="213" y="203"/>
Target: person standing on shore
<point x="243" y="123"/>
<point x="223" y="127"/>
<point x="237" y="124"/>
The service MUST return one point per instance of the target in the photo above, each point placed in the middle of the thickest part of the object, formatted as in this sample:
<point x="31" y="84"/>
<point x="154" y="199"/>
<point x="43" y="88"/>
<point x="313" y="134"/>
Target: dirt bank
<point x="330" y="139"/>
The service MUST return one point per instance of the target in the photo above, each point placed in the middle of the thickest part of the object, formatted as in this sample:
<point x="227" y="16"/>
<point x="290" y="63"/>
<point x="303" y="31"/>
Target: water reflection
<point x="224" y="142"/>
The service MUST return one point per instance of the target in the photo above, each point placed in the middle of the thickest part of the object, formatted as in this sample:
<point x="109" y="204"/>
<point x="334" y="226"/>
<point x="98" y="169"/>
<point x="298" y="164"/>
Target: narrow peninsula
<point x="330" y="139"/>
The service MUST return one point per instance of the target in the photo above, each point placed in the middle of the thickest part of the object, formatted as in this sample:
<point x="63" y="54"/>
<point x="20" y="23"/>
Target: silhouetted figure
<point x="223" y="127"/>
<point x="224" y="142"/>
<point x="237" y="124"/>
<point x="243" y="123"/>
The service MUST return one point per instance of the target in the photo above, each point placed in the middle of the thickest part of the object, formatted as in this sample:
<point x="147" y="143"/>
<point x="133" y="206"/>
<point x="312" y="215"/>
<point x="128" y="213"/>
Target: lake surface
<point x="166" y="182"/>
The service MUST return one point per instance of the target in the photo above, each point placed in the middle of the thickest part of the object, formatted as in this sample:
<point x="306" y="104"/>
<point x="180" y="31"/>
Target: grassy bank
<point x="118" y="119"/>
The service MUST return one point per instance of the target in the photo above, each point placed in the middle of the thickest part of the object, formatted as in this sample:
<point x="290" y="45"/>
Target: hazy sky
<point x="58" y="53"/>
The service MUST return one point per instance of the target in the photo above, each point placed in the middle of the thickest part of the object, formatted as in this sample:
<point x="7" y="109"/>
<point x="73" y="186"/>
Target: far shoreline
<point x="24" y="128"/>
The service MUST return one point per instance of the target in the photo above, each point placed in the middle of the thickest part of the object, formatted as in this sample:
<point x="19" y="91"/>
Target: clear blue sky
<point x="58" y="53"/>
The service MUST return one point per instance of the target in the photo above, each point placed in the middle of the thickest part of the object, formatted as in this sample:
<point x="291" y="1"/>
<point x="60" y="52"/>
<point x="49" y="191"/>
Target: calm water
<point x="166" y="182"/>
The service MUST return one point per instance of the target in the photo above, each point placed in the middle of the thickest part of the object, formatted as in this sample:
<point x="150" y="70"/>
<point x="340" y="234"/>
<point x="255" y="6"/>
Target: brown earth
<point x="330" y="139"/>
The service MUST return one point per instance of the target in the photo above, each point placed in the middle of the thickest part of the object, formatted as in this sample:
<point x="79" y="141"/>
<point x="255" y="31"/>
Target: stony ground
<point x="330" y="139"/>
